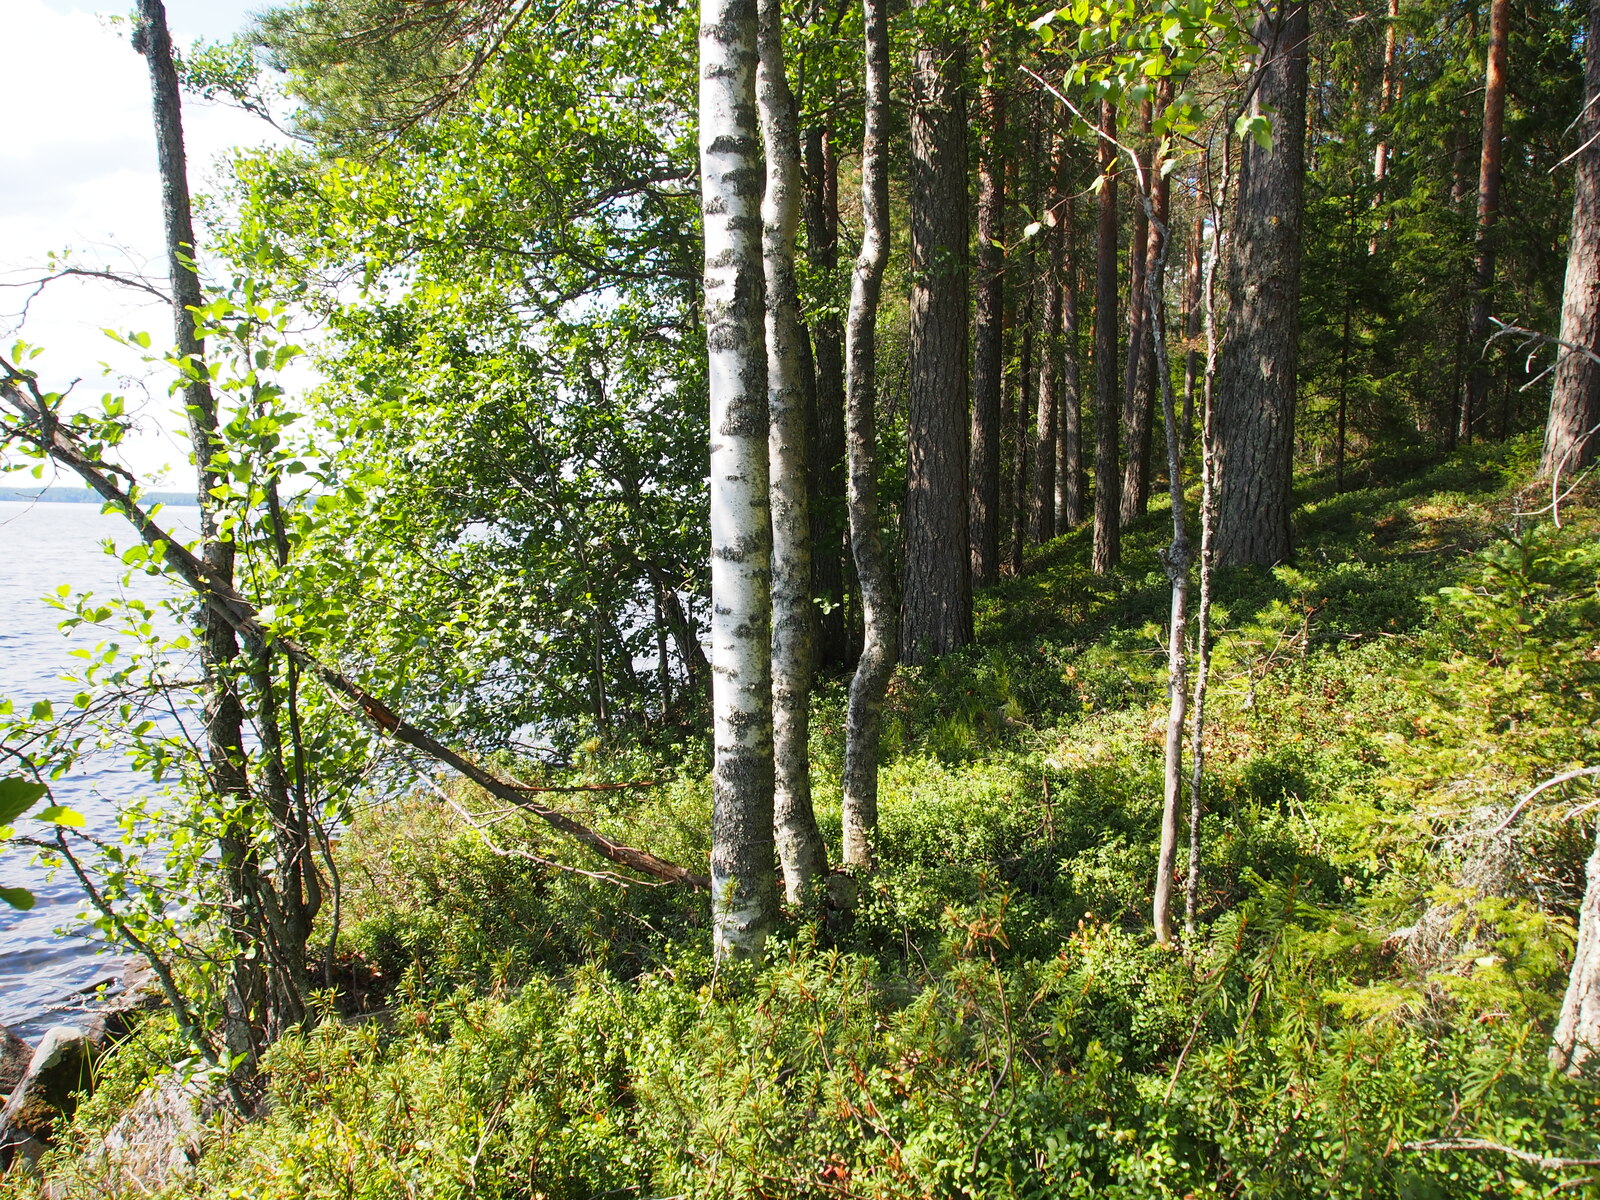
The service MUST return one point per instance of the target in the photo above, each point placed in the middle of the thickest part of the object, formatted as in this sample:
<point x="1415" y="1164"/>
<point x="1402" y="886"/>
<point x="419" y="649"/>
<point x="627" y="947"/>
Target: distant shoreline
<point x="67" y="495"/>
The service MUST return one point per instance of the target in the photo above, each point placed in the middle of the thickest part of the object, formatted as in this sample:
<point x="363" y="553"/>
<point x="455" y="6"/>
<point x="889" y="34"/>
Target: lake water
<point x="43" y="545"/>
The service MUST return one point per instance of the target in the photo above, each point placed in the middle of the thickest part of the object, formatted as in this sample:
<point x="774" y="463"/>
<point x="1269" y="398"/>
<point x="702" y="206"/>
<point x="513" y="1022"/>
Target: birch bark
<point x="743" y="898"/>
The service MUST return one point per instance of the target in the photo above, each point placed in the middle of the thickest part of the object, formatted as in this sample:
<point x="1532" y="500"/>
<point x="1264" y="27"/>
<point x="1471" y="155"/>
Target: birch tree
<point x="743" y="899"/>
<point x="865" y="716"/>
<point x="799" y="844"/>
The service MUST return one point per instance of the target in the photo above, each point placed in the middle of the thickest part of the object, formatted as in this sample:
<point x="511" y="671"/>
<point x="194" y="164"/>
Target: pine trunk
<point x="1138" y="417"/>
<point x="743" y="899"/>
<point x="1489" y="173"/>
<point x="936" y="607"/>
<point x="1256" y="388"/>
<point x="1571" y="438"/>
<point x="1070" y="485"/>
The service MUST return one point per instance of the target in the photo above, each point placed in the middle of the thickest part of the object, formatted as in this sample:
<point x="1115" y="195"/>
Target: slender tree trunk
<point x="1388" y="92"/>
<point x="1107" y="476"/>
<point x="1137" y="416"/>
<point x="936" y="606"/>
<point x="1570" y="437"/>
<point x="1070" y="487"/>
<point x="1202" y="633"/>
<point x="223" y="715"/>
<point x="743" y="900"/>
<point x="1022" y="433"/>
<point x="1575" y="1047"/>
<point x="865" y="716"/>
<point x="1156" y="252"/>
<point x="830" y="542"/>
<point x="1192" y="317"/>
<point x="1489" y="172"/>
<point x="1042" y="508"/>
<point x="1256" y="389"/>
<point x="799" y="842"/>
<point x="988" y="350"/>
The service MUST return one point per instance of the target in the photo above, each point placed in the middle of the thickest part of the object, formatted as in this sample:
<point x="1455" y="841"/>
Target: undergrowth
<point x="1364" y="1010"/>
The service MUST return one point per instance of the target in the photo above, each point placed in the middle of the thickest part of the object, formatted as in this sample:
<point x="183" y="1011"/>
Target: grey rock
<point x="61" y="1067"/>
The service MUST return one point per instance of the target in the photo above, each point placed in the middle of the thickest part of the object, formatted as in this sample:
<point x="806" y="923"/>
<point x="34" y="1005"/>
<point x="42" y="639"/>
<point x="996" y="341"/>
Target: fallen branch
<point x="43" y="429"/>
<point x="1544" y="1162"/>
<point x="1521" y="804"/>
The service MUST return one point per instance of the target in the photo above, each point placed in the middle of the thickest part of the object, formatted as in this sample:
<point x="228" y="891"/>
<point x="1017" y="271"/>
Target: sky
<point x="78" y="174"/>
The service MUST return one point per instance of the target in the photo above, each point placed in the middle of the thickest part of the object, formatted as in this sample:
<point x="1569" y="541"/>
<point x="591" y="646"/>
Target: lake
<point x="43" y="545"/>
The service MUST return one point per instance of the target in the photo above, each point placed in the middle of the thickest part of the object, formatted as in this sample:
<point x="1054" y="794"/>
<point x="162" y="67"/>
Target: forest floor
<point x="1364" y="1008"/>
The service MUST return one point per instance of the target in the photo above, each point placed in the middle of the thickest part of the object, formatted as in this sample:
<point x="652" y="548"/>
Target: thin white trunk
<point x="1575" y="1048"/>
<point x="743" y="899"/>
<point x="800" y="849"/>
<point x="864" y="721"/>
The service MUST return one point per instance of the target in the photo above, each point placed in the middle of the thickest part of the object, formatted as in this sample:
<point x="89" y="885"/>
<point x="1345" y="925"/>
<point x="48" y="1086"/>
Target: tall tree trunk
<point x="936" y="605"/>
<point x="1256" y="388"/>
<point x="223" y="715"/>
<point x="864" y="720"/>
<point x="830" y="542"/>
<point x="1489" y="172"/>
<point x="1022" y="432"/>
<point x="743" y="900"/>
<point x="1070" y="488"/>
<point x="1155" y="274"/>
<point x="1138" y="418"/>
<point x="988" y="350"/>
<point x="1575" y="1048"/>
<point x="799" y="842"/>
<point x="1042" y="508"/>
<point x="1570" y="437"/>
<point x="1107" y="475"/>
<point x="1388" y="92"/>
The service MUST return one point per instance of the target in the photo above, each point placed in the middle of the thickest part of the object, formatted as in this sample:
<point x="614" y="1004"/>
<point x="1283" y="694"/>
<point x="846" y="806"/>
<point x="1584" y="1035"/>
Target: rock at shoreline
<point x="159" y="1138"/>
<point x="60" y="1068"/>
<point x="15" y="1055"/>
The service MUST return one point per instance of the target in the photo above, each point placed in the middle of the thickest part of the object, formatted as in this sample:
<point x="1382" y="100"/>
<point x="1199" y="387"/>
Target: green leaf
<point x="61" y="815"/>
<point x="17" y="796"/>
<point x="20" y="898"/>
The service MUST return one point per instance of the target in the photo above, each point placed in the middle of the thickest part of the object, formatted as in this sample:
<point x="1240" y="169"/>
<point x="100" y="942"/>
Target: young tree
<point x="1070" y="486"/>
<point x="863" y="722"/>
<point x="1042" y="515"/>
<point x="1138" y="412"/>
<point x="936" y="604"/>
<point x="1571" y="438"/>
<point x="799" y="843"/>
<point x="743" y="900"/>
<point x="1256" y="388"/>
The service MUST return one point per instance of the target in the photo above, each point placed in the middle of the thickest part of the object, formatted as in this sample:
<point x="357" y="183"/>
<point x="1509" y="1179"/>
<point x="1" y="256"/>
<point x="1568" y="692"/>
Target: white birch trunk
<point x="799" y="842"/>
<point x="743" y="899"/>
<point x="1575" y="1048"/>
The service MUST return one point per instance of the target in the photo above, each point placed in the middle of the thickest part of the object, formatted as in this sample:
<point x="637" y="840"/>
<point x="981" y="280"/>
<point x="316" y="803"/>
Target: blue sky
<point x="77" y="173"/>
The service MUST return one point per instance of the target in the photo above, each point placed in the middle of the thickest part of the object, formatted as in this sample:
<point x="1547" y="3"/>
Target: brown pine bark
<point x="1021" y="432"/>
<point x="1570" y="437"/>
<point x="1107" y="471"/>
<point x="1256" y="386"/>
<point x="1042" y="509"/>
<point x="936" y="606"/>
<point x="1489" y="174"/>
<point x="988" y="350"/>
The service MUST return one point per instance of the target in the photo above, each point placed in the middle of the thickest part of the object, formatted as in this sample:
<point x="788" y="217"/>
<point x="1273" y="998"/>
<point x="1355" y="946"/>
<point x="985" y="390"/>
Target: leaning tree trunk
<point x="1575" y="1047"/>
<point x="988" y="349"/>
<point x="1489" y="173"/>
<point x="799" y="842"/>
<point x="864" y="720"/>
<point x="743" y="900"/>
<point x="247" y="991"/>
<point x="936" y="604"/>
<point x="1570" y="436"/>
<point x="1107" y="478"/>
<point x="828" y="541"/>
<point x="1256" y="387"/>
